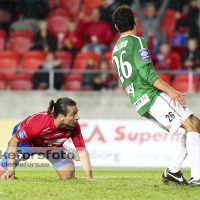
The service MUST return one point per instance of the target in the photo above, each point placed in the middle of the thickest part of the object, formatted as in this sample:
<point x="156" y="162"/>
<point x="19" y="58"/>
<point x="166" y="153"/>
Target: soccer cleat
<point x="176" y="178"/>
<point x="192" y="182"/>
<point x="71" y="153"/>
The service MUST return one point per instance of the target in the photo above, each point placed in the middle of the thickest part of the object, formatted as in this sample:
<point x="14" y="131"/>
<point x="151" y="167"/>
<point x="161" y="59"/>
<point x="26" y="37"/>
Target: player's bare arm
<point x="174" y="95"/>
<point x="10" y="173"/>
<point x="85" y="161"/>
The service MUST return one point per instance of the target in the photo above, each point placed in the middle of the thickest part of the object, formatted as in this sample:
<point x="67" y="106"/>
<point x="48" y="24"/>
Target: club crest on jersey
<point x="68" y="133"/>
<point x="144" y="54"/>
<point x="21" y="134"/>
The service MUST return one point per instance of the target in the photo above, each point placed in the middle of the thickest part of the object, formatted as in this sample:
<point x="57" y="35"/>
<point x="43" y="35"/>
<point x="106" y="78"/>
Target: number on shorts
<point x="170" y="116"/>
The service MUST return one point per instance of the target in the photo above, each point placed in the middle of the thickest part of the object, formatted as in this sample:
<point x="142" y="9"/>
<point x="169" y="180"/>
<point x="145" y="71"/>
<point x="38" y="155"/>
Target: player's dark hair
<point x="123" y="18"/>
<point x="60" y="107"/>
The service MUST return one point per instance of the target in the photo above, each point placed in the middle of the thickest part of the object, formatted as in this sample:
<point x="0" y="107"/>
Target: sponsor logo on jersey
<point x="21" y="134"/>
<point x="47" y="130"/>
<point x="144" y="54"/>
<point x="141" y="102"/>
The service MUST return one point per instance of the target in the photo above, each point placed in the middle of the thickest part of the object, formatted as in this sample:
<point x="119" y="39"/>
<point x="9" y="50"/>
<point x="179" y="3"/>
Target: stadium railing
<point x="191" y="76"/>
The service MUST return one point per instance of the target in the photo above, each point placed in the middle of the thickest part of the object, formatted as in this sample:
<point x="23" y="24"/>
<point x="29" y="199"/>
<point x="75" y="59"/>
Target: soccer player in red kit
<point x="44" y="133"/>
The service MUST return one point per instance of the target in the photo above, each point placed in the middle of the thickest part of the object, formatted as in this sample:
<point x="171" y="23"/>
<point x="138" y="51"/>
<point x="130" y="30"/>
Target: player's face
<point x="71" y="118"/>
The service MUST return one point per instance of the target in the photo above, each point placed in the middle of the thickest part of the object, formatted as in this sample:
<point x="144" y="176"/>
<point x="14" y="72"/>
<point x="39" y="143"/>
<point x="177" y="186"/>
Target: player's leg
<point x="66" y="171"/>
<point x="167" y="116"/>
<point x="181" y="152"/>
<point x="62" y="164"/>
<point x="191" y="125"/>
<point x="179" y="155"/>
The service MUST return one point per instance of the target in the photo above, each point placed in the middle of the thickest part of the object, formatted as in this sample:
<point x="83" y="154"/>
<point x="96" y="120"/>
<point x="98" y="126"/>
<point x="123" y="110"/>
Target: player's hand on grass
<point x="8" y="175"/>
<point x="177" y="96"/>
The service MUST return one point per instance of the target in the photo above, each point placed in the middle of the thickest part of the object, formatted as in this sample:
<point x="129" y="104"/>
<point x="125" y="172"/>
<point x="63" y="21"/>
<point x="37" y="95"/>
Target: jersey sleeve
<point x="77" y="139"/>
<point x="143" y="62"/>
<point x="30" y="129"/>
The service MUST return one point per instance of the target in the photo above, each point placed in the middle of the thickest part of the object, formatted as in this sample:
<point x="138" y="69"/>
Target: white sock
<point x="179" y="156"/>
<point x="193" y="149"/>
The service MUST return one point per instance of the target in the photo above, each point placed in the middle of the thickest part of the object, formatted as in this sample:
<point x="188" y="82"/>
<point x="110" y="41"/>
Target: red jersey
<point x="39" y="132"/>
<point x="72" y="40"/>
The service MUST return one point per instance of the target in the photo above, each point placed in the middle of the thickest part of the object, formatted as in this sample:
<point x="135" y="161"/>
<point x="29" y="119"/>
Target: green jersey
<point x="136" y="72"/>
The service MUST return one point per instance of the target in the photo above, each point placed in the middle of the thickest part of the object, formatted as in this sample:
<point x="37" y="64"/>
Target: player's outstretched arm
<point x="10" y="173"/>
<point x="174" y="95"/>
<point x="85" y="161"/>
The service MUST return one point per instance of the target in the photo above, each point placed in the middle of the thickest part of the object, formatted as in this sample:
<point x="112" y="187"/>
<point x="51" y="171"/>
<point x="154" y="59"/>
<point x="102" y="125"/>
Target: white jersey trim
<point x="136" y="37"/>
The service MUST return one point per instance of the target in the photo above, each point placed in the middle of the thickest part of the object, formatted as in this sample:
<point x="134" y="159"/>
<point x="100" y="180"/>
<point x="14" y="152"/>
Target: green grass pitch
<point x="109" y="183"/>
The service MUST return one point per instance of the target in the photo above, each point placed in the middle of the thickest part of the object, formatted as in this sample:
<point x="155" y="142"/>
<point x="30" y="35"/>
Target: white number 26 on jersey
<point x="126" y="69"/>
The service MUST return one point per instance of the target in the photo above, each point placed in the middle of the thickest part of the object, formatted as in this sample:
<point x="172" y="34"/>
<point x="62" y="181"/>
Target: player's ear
<point x="116" y="27"/>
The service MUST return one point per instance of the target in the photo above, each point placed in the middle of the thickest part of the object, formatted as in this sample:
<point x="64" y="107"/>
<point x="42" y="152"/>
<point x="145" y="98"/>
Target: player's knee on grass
<point x="191" y="124"/>
<point x="66" y="172"/>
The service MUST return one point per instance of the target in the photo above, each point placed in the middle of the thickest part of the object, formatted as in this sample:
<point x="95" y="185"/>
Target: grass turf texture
<point x="110" y="183"/>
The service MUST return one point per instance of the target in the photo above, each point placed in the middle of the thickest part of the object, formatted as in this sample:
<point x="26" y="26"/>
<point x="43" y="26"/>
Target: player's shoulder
<point x="129" y="41"/>
<point x="39" y="118"/>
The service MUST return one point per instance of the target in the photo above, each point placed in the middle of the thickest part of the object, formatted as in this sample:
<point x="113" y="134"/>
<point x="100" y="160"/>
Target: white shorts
<point x="166" y="115"/>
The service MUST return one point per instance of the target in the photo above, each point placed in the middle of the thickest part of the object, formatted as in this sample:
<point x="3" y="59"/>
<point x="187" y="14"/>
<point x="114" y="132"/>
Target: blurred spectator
<point x="165" y="59"/>
<point x="191" y="58"/>
<point x="44" y="40"/>
<point x="104" y="79"/>
<point x="72" y="41"/>
<point x="106" y="12"/>
<point x="150" y="23"/>
<point x="41" y="79"/>
<point x="192" y="20"/>
<point x="33" y="9"/>
<point x="25" y="24"/>
<point x="87" y="78"/>
<point x="6" y="14"/>
<point x="117" y="3"/>
<point x="97" y="33"/>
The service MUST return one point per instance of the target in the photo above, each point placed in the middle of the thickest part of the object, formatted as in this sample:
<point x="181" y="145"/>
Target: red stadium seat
<point x="2" y="39"/>
<point x="108" y="56"/>
<point x="20" y="76"/>
<point x="70" y="5"/>
<point x="21" y="85"/>
<point x="73" y="85"/>
<point x="9" y="64"/>
<point x="168" y="23"/>
<point x="30" y="64"/>
<point x="65" y="59"/>
<point x="81" y="60"/>
<point x="57" y="24"/>
<point x="165" y="77"/>
<point x="90" y="4"/>
<point x="21" y="33"/>
<point x="2" y="85"/>
<point x="73" y="77"/>
<point x="179" y="49"/>
<point x="19" y="44"/>
<point x="9" y="54"/>
<point x="181" y="81"/>
<point x="34" y="54"/>
<point x="59" y="12"/>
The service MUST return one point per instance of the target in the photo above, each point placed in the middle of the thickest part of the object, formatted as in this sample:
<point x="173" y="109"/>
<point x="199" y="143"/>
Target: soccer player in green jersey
<point x="153" y="98"/>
